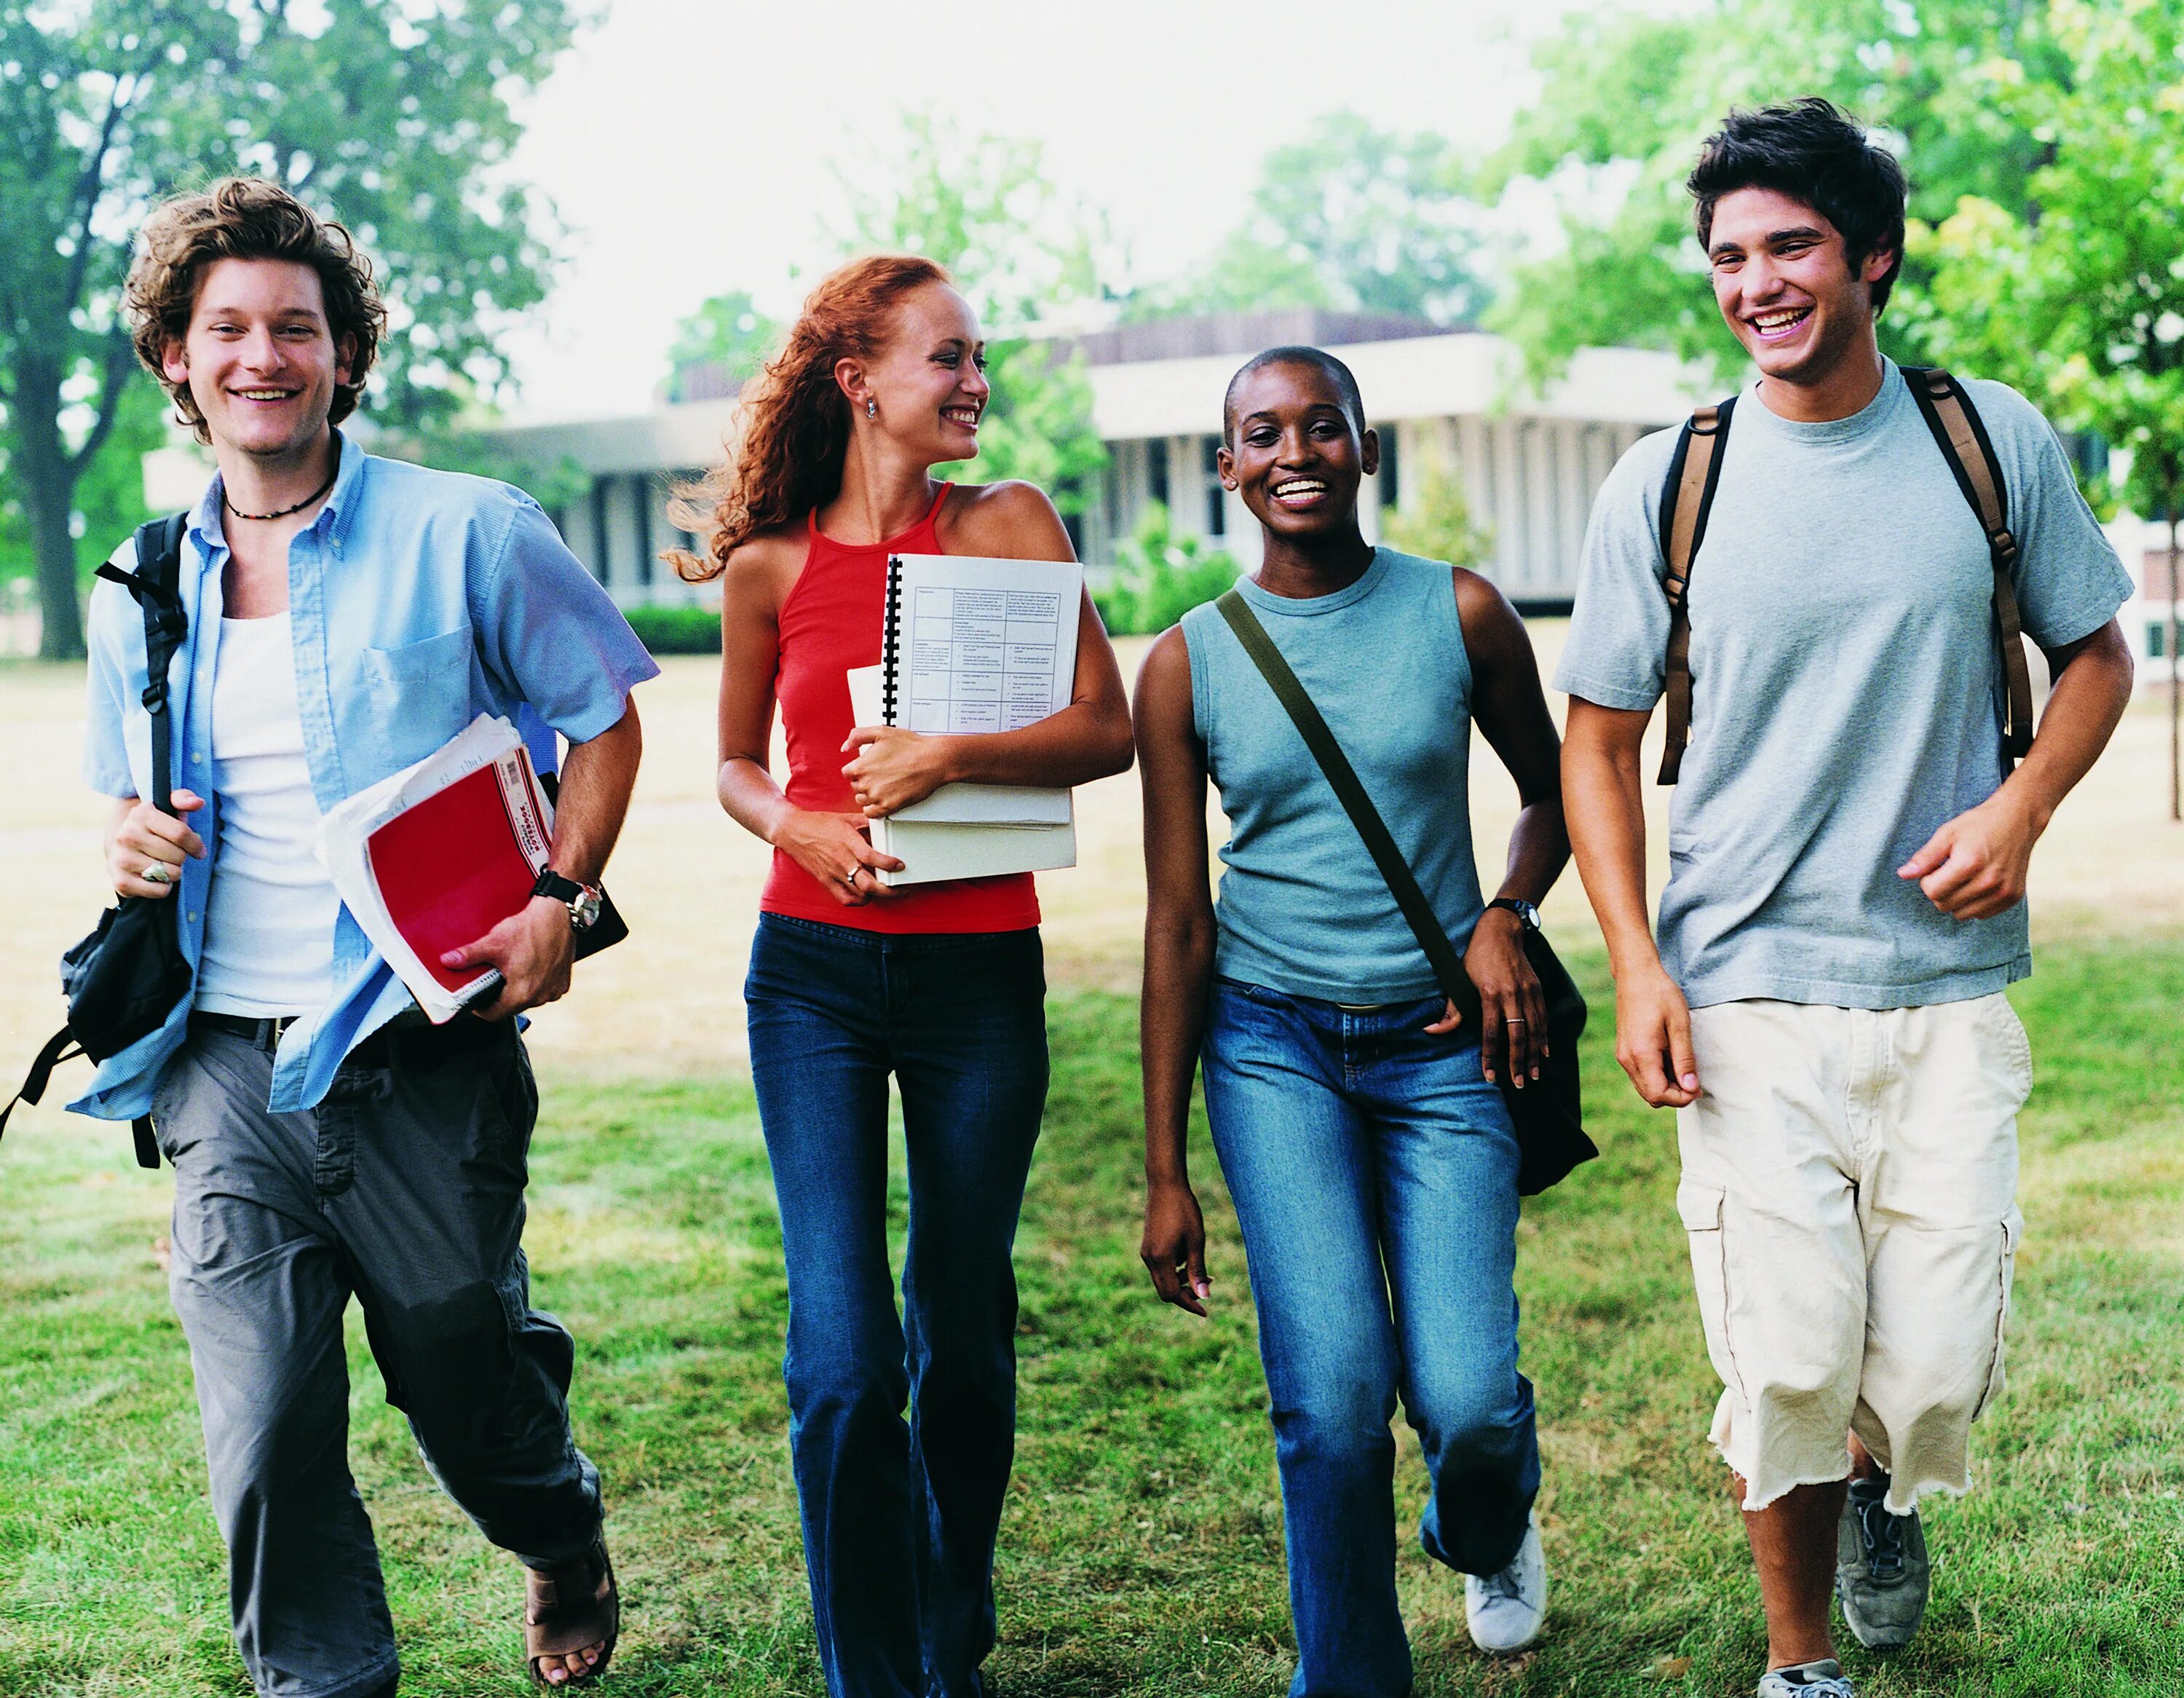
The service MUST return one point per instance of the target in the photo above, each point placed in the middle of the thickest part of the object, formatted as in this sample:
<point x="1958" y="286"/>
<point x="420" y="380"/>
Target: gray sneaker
<point x="1882" y="1570"/>
<point x="1822" y="1679"/>
<point x="1507" y="1612"/>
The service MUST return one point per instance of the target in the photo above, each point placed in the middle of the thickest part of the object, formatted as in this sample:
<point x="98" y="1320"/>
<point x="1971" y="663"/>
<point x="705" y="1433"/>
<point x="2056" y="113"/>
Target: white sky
<point x="692" y="148"/>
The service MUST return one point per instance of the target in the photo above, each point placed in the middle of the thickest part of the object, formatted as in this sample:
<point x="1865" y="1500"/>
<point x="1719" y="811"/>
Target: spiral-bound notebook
<point x="973" y="645"/>
<point x="969" y="645"/>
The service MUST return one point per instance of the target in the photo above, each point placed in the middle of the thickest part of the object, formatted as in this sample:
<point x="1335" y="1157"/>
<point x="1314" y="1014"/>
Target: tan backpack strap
<point x="1684" y="504"/>
<point x="1963" y="439"/>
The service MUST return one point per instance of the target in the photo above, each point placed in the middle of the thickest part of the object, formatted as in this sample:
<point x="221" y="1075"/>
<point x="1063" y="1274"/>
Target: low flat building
<point x="1529" y="462"/>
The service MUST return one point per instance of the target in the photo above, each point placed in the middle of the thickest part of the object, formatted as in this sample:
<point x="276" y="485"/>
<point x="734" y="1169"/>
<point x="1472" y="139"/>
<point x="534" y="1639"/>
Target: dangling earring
<point x="872" y="408"/>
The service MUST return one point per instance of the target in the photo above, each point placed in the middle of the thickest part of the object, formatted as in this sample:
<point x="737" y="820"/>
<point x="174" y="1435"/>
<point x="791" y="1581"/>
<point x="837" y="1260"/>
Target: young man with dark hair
<point x="1848" y="848"/>
<point x="347" y="616"/>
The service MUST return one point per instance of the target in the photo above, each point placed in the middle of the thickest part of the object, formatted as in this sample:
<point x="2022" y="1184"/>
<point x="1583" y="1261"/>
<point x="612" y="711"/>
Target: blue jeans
<point x="1374" y="1172"/>
<point x="899" y="1518"/>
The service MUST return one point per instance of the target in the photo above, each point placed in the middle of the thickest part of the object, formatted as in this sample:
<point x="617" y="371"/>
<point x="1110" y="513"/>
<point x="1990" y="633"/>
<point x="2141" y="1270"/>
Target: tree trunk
<point x="46" y="475"/>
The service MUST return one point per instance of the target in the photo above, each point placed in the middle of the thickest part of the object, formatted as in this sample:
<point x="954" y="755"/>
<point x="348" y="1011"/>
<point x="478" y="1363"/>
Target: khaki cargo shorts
<point x="1849" y="1187"/>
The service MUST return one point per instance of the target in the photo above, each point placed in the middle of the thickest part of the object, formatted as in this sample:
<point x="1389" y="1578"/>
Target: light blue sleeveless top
<point x="1302" y="909"/>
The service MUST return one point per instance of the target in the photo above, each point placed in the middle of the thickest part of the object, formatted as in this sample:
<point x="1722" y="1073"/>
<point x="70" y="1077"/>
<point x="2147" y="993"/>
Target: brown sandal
<point x="568" y="1608"/>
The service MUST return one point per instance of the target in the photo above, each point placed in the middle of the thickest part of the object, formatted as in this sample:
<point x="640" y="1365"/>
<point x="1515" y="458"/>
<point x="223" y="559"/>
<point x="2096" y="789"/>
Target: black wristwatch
<point x="1517" y="906"/>
<point x="583" y="900"/>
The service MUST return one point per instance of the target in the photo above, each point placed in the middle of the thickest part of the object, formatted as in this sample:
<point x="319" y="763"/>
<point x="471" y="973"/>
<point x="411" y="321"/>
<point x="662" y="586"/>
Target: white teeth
<point x="1299" y="487"/>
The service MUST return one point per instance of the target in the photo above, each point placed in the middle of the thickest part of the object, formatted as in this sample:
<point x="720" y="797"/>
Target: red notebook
<point x="452" y="865"/>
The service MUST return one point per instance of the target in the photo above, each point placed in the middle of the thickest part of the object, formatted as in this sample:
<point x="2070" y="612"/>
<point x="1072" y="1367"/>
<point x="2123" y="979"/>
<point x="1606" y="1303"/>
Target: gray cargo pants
<point x="405" y="1188"/>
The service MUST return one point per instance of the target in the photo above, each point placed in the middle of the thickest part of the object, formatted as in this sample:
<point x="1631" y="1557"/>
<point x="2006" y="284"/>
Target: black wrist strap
<point x="552" y="884"/>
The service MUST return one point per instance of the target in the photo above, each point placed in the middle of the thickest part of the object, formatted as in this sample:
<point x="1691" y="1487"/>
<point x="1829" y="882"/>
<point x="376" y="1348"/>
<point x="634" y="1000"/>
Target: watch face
<point x="584" y="910"/>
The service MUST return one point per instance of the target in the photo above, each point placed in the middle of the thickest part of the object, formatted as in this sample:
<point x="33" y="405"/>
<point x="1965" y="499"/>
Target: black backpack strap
<point x="60" y="1047"/>
<point x="1686" y="498"/>
<point x="159" y="570"/>
<point x="1448" y="967"/>
<point x="1961" y="435"/>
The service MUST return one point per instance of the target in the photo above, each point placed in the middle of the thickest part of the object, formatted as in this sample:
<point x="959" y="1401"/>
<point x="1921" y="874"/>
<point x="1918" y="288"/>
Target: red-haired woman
<point x="942" y="984"/>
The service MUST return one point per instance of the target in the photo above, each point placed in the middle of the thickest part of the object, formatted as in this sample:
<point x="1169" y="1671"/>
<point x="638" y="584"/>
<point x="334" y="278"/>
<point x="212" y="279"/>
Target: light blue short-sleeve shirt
<point x="418" y="600"/>
<point x="1847" y="689"/>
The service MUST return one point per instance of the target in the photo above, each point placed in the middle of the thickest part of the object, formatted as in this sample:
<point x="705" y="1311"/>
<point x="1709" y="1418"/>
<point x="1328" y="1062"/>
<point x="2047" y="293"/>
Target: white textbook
<point x="930" y="850"/>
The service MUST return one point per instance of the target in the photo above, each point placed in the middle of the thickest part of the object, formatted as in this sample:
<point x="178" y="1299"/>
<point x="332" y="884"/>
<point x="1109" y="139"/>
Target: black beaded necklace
<point x="284" y="511"/>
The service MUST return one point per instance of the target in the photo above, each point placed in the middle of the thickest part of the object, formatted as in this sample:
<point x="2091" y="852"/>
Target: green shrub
<point x="677" y="630"/>
<point x="1160" y="577"/>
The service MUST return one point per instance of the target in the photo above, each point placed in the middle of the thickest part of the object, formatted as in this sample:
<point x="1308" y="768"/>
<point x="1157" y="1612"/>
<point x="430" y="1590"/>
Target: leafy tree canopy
<point x="1627" y="98"/>
<point x="1351" y="217"/>
<point x="394" y="117"/>
<point x="728" y="334"/>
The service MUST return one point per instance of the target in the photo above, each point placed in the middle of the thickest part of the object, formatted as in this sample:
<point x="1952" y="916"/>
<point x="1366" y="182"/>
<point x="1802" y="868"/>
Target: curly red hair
<point x="795" y="418"/>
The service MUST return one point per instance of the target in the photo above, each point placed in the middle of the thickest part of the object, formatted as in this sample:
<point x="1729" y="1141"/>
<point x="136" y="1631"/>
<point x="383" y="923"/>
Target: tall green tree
<point x="1627" y="97"/>
<point x="392" y="115"/>
<point x="2077" y="295"/>
<point x="1021" y="251"/>
<point x="727" y="333"/>
<point x="1353" y="217"/>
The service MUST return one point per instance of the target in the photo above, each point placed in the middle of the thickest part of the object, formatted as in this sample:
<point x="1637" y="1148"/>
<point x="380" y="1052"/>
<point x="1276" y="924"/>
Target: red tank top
<point x="829" y="625"/>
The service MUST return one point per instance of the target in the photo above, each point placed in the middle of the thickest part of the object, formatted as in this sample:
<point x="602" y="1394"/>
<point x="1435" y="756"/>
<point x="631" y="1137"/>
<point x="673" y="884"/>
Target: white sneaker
<point x="1505" y="1612"/>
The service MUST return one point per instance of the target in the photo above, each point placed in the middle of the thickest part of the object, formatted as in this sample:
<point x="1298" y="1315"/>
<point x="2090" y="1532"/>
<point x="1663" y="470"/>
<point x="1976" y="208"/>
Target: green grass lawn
<point x="1141" y="1553"/>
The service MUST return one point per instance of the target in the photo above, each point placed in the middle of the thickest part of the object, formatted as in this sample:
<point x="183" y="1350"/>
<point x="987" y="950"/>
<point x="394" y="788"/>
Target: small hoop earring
<point x="872" y="408"/>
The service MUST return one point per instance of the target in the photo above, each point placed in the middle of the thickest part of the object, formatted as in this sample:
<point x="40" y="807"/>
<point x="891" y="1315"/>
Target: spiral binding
<point x="890" y="639"/>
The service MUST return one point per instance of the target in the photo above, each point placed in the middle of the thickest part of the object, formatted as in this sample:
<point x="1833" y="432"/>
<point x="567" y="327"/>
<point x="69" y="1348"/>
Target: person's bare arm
<point x="1603" y="801"/>
<point x="1511" y="711"/>
<point x="889" y="768"/>
<point x="1976" y="864"/>
<point x="1179" y="970"/>
<point x="534" y="948"/>
<point x="834" y="848"/>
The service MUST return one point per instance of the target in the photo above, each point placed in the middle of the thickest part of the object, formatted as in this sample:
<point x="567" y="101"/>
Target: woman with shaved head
<point x="1357" y="1115"/>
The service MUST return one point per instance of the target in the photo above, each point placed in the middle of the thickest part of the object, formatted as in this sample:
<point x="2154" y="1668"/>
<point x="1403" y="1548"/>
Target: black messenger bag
<point x="126" y="979"/>
<point x="1549" y="1115"/>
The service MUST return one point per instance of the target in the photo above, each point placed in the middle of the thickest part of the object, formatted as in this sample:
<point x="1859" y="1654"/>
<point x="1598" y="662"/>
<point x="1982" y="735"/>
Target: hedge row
<point x="677" y="630"/>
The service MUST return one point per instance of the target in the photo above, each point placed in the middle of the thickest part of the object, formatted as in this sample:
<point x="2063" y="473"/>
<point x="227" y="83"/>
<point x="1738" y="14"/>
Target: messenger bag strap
<point x="1961" y="436"/>
<point x="1448" y="967"/>
<point x="1686" y="501"/>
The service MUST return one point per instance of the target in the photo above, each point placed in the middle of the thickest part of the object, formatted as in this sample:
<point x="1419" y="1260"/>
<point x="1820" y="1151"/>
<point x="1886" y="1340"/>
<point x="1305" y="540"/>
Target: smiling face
<point x="258" y="357"/>
<point x="1294" y="454"/>
<point x="929" y="381"/>
<point x="1786" y="287"/>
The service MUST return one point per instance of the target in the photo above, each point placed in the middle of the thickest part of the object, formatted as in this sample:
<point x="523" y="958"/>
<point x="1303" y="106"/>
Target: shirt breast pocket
<point x="421" y="693"/>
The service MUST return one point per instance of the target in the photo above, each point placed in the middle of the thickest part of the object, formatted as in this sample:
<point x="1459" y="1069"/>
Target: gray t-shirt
<point x="1847" y="689"/>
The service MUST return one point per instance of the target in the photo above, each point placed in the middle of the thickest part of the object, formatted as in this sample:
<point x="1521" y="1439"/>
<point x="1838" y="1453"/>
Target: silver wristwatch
<point x="583" y="900"/>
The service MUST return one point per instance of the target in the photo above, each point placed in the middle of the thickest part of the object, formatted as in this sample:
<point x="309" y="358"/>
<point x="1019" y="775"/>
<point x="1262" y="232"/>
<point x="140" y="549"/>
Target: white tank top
<point x="268" y="936"/>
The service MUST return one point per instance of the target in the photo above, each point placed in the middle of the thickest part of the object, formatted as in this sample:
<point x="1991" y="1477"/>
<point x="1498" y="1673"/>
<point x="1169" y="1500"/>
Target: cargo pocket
<point x="2012" y="1227"/>
<point x="1702" y="1207"/>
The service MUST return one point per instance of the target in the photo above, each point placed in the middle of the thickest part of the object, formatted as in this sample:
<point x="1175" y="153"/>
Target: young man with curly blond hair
<point x="347" y="616"/>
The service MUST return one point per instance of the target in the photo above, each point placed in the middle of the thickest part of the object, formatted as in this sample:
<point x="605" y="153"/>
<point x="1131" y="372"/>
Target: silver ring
<point x="157" y="873"/>
<point x="1512" y="1020"/>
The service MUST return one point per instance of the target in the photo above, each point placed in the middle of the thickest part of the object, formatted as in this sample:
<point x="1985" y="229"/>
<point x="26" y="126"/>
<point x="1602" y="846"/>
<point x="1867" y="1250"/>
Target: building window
<point x="1156" y="470"/>
<point x="602" y="536"/>
<point x="2157" y="639"/>
<point x="1391" y="491"/>
<point x="1216" y="509"/>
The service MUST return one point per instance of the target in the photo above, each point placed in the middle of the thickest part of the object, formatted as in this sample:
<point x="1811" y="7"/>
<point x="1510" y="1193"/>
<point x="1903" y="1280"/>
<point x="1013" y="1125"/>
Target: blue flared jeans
<point x="1374" y="1174"/>
<point x="900" y="1516"/>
